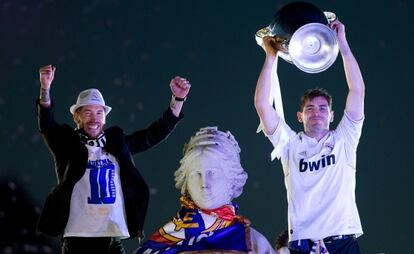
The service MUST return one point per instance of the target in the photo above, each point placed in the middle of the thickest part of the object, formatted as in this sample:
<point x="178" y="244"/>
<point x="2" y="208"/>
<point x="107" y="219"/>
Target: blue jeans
<point x="98" y="245"/>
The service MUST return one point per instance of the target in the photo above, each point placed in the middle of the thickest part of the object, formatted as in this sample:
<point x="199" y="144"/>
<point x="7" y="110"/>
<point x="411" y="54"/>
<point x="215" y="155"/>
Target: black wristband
<point x="180" y="99"/>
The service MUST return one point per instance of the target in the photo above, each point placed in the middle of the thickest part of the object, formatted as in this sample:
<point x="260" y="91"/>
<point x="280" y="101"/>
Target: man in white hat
<point x="100" y="198"/>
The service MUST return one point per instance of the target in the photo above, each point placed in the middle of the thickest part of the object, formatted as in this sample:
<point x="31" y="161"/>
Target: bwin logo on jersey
<point x="315" y="165"/>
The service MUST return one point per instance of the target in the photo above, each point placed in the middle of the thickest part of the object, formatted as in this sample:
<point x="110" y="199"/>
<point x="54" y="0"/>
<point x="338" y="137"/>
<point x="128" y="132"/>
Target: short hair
<point x="224" y="146"/>
<point x="282" y="240"/>
<point x="312" y="93"/>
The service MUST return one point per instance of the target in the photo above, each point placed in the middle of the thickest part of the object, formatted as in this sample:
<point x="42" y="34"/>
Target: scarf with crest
<point x="100" y="141"/>
<point x="195" y="230"/>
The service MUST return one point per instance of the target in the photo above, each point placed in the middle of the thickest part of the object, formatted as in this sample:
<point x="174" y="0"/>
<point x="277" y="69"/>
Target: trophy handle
<point x="330" y="16"/>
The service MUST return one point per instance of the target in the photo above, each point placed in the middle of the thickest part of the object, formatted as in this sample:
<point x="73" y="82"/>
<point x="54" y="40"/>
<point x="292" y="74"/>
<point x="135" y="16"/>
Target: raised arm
<point x="159" y="130"/>
<point x="46" y="73"/>
<point x="179" y="88"/>
<point x="268" y="115"/>
<point x="355" y="100"/>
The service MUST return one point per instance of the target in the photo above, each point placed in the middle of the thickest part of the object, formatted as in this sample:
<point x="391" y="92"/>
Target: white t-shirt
<point x="320" y="180"/>
<point x="97" y="203"/>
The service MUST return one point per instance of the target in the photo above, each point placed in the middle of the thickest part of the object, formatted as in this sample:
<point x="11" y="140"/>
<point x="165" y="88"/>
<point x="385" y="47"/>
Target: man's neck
<point x="86" y="135"/>
<point x="316" y="134"/>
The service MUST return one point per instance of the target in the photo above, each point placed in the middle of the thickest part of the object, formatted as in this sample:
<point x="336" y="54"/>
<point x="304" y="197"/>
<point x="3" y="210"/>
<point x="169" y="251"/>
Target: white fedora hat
<point x="90" y="97"/>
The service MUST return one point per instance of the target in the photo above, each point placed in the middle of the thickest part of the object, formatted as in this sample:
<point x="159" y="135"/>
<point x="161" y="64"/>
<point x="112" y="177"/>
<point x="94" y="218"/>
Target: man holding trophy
<point x="319" y="164"/>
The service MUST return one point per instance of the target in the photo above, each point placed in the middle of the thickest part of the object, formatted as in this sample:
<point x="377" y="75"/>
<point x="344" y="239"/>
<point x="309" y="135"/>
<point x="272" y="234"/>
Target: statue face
<point x="207" y="184"/>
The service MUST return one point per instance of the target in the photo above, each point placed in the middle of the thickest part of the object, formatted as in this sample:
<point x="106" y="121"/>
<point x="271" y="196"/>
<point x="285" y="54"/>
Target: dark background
<point x="131" y="49"/>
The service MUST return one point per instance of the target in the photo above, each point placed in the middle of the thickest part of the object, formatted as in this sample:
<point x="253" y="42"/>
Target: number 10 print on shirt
<point x="101" y="179"/>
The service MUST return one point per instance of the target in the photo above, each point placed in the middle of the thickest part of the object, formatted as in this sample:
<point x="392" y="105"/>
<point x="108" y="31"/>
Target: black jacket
<point x="71" y="156"/>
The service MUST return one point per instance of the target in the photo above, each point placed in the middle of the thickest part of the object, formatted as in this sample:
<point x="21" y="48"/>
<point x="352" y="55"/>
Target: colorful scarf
<point x="195" y="230"/>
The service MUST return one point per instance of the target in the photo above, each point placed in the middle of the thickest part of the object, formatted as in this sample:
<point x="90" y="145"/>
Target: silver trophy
<point x="308" y="41"/>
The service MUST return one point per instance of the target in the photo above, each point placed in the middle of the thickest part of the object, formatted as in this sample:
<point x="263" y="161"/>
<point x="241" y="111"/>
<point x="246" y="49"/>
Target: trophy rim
<point x="326" y="64"/>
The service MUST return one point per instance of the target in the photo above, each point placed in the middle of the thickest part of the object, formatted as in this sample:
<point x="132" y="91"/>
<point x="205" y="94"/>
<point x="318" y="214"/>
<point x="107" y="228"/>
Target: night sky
<point x="131" y="49"/>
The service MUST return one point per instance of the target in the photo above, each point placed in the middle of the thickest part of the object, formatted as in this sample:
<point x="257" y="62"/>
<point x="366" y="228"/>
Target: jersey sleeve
<point x="350" y="130"/>
<point x="279" y="139"/>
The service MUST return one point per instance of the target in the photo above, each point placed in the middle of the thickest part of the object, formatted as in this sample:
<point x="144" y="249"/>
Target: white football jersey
<point x="320" y="180"/>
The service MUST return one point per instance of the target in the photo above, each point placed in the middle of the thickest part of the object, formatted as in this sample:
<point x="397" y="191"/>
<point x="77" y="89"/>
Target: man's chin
<point x="92" y="134"/>
<point x="319" y="125"/>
